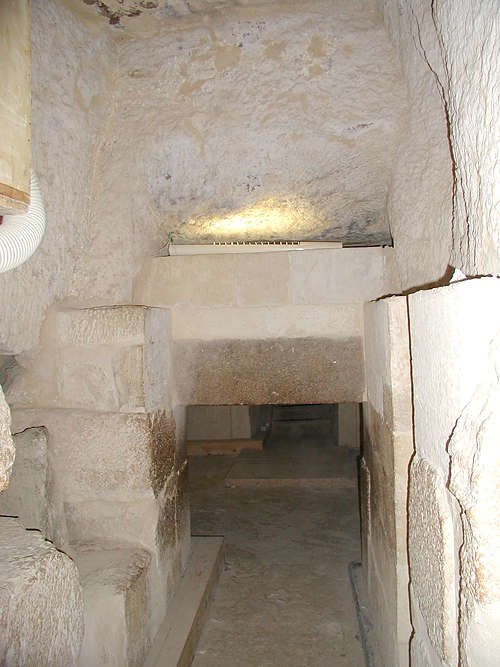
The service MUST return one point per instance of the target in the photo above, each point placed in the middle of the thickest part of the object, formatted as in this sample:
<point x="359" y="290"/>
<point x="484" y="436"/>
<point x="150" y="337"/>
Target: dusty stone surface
<point x="104" y="468"/>
<point x="70" y="63"/>
<point x="196" y="161"/>
<point x="256" y="372"/>
<point x="100" y="359"/>
<point x="284" y="597"/>
<point x="300" y="278"/>
<point x="442" y="204"/>
<point x="117" y="484"/>
<point x="41" y="602"/>
<point x="7" y="448"/>
<point x="240" y="134"/>
<point x="387" y="448"/>
<point x="451" y="330"/>
<point x="282" y="295"/>
<point x="474" y="472"/>
<point x="115" y="585"/>
<point x="26" y="496"/>
<point x="431" y="547"/>
<point x="454" y="357"/>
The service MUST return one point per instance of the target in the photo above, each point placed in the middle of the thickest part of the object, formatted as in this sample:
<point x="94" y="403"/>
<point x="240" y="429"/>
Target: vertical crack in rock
<point x="474" y="467"/>
<point x="444" y="98"/>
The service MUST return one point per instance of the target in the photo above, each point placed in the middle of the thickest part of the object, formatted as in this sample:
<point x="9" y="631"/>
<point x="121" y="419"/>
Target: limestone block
<point x="108" y="471"/>
<point x="26" y="496"/>
<point x="117" y="599"/>
<point x="96" y="326"/>
<point x="107" y="452"/>
<point x="41" y="605"/>
<point x="337" y="276"/>
<point x="338" y="320"/>
<point x="197" y="279"/>
<point x="300" y="370"/>
<point x="7" y="449"/>
<point x="474" y="475"/>
<point x="474" y="129"/>
<point x="432" y="558"/>
<point x="387" y="448"/>
<point x="130" y="520"/>
<point x="319" y="277"/>
<point x="262" y="279"/>
<point x="85" y="364"/>
<point x="365" y="504"/>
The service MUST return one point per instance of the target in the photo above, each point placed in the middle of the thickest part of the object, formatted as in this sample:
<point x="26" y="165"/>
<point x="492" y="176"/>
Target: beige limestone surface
<point x="244" y="113"/>
<point x="295" y="278"/>
<point x="100" y="384"/>
<point x="284" y="598"/>
<point x="433" y="562"/>
<point x="41" y="608"/>
<point x="454" y="334"/>
<point x="443" y="200"/>
<point x="387" y="448"/>
<point x="69" y="87"/>
<point x="26" y="496"/>
<point x="259" y="372"/>
<point x="7" y="448"/>
<point x="301" y="294"/>
<point x="109" y="359"/>
<point x="474" y="483"/>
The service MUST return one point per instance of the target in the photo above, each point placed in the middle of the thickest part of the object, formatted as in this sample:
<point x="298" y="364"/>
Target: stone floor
<point x="284" y="598"/>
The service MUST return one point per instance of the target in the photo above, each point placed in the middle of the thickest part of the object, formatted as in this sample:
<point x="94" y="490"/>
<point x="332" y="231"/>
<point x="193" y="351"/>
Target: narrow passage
<point x="291" y="527"/>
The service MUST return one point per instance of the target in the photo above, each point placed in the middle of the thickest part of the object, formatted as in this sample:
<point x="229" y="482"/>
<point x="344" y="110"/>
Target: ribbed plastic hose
<point x="20" y="235"/>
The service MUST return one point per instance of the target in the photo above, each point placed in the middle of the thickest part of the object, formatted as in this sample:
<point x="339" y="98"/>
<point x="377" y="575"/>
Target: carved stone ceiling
<point x="257" y="120"/>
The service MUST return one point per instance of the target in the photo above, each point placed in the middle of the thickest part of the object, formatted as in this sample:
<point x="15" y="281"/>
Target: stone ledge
<point x="177" y="638"/>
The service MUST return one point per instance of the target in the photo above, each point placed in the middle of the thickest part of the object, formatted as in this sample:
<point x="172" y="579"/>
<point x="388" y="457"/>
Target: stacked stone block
<point x="100" y="386"/>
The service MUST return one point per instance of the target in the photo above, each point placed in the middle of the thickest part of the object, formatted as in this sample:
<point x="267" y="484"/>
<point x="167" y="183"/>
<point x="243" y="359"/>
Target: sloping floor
<point x="284" y="598"/>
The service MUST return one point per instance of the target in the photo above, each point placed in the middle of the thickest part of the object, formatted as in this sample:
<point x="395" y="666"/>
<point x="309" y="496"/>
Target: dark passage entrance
<point x="289" y="515"/>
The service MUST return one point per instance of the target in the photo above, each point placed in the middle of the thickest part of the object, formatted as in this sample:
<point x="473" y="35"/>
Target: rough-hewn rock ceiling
<point x="262" y="121"/>
<point x="115" y="10"/>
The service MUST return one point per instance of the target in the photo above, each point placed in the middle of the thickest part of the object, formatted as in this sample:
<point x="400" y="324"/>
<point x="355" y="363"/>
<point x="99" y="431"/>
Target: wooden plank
<point x="219" y="447"/>
<point x="15" y="110"/>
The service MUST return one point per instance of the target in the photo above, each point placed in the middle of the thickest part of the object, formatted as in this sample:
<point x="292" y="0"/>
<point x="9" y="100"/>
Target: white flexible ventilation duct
<point x="20" y="235"/>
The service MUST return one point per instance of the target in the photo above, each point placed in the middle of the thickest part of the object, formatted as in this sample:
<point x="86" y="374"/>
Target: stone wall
<point x="444" y="189"/>
<point x="283" y="327"/>
<point x="117" y="472"/>
<point x="387" y="448"/>
<point x="71" y="81"/>
<point x="453" y="498"/>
